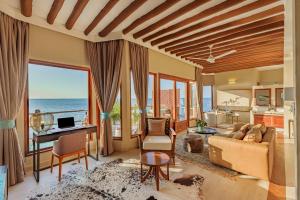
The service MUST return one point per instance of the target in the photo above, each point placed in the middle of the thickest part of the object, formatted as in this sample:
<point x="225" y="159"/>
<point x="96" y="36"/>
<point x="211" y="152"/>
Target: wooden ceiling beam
<point x="239" y="47"/>
<point x="265" y="35"/>
<point x="238" y="11"/>
<point x="26" y="7"/>
<point x="156" y="11"/>
<point x="256" y="30"/>
<point x="185" y="9"/>
<point x="239" y="22"/>
<point x="55" y="8"/>
<point x="76" y="12"/>
<point x="121" y="17"/>
<point x="100" y="16"/>
<point x="243" y="66"/>
<point x="258" y="25"/>
<point x="212" y="10"/>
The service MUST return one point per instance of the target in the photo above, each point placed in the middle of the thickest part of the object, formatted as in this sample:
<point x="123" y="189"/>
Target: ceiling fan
<point x="211" y="58"/>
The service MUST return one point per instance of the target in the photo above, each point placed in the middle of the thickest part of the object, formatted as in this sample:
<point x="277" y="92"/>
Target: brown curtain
<point x="105" y="60"/>
<point x="139" y="61"/>
<point x="13" y="77"/>
<point x="199" y="82"/>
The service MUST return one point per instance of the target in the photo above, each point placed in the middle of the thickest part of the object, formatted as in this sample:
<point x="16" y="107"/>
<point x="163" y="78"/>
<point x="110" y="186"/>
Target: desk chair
<point x="69" y="145"/>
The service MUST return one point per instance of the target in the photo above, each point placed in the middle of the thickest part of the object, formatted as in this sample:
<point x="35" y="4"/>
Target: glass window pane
<point x="166" y="98"/>
<point x="116" y="117"/>
<point x="135" y="114"/>
<point x="193" y="101"/>
<point x="150" y="102"/>
<point x="181" y="101"/>
<point x="60" y="91"/>
<point x="207" y="98"/>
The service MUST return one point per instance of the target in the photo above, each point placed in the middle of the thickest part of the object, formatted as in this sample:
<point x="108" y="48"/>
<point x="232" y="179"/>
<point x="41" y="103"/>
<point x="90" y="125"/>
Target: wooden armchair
<point x="164" y="142"/>
<point x="69" y="145"/>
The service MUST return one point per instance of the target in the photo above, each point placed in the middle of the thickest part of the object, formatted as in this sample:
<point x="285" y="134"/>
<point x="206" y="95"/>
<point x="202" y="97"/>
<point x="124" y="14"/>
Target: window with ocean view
<point x="135" y="113"/>
<point x="150" y="102"/>
<point x="56" y="92"/>
<point x="181" y="101"/>
<point x="207" y="98"/>
<point x="167" y="98"/>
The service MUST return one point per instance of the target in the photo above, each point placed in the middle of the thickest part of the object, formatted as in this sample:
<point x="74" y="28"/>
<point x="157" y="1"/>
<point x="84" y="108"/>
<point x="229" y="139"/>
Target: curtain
<point x="199" y="82"/>
<point x="139" y="61"/>
<point x="105" y="60"/>
<point x="13" y="77"/>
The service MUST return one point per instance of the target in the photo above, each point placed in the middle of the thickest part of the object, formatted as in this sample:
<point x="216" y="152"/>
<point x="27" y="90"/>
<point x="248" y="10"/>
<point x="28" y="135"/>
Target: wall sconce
<point x="232" y="81"/>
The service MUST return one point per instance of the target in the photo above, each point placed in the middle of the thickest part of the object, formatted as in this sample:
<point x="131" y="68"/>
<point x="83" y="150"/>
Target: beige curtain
<point x="13" y="77"/>
<point x="105" y="60"/>
<point x="199" y="82"/>
<point x="139" y="61"/>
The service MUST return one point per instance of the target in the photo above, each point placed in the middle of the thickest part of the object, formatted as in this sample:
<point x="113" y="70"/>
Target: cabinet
<point x="269" y="120"/>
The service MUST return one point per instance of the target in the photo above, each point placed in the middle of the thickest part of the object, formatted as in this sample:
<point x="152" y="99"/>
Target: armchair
<point x="165" y="142"/>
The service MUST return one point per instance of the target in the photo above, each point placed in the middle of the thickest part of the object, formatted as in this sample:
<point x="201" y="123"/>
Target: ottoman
<point x="193" y="143"/>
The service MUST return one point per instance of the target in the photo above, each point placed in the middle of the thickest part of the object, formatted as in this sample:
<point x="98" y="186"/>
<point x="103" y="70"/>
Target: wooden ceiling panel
<point x="55" y="8"/>
<point x="273" y="34"/>
<point x="256" y="30"/>
<point x="80" y="5"/>
<point x="26" y="7"/>
<point x="100" y="16"/>
<point x="239" y="22"/>
<point x="156" y="11"/>
<point x="169" y="18"/>
<point x="219" y="7"/>
<point x="258" y="25"/>
<point x="121" y="17"/>
<point x="239" y="11"/>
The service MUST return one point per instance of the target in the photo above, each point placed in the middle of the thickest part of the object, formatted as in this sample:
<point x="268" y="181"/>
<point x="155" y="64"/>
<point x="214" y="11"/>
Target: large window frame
<point x="27" y="151"/>
<point x="187" y="97"/>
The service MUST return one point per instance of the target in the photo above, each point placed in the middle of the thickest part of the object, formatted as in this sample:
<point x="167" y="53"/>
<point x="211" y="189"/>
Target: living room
<point x="238" y="133"/>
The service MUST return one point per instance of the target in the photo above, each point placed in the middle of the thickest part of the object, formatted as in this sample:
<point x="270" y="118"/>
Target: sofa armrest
<point x="172" y="135"/>
<point x="246" y="157"/>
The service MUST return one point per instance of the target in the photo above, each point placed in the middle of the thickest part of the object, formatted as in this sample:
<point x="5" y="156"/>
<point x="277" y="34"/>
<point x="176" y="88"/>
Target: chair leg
<point x="78" y="157"/>
<point x="52" y="158"/>
<point x="86" y="161"/>
<point x="60" y="168"/>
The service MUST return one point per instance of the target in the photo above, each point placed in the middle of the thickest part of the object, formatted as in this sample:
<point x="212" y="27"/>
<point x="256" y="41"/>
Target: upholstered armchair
<point x="158" y="138"/>
<point x="69" y="145"/>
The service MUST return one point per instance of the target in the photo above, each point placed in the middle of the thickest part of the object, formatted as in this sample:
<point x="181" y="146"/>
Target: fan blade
<point x="225" y="54"/>
<point x="196" y="58"/>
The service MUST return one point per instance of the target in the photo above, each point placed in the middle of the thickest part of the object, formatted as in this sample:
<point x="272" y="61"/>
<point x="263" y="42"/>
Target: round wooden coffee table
<point x="155" y="160"/>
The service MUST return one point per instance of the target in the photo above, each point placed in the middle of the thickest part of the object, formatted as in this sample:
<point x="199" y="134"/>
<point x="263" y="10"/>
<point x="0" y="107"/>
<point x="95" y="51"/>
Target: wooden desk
<point x="53" y="135"/>
<point x="3" y="183"/>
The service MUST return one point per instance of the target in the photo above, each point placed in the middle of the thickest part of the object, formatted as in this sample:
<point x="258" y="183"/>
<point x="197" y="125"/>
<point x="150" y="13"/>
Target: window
<point x="194" y="106"/>
<point x="59" y="91"/>
<point x="151" y="97"/>
<point x="207" y="98"/>
<point x="167" y="100"/>
<point x="135" y="111"/>
<point x="181" y="101"/>
<point x="115" y="117"/>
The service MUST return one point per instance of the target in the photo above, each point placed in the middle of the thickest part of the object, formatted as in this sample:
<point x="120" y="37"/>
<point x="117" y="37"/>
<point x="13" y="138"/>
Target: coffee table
<point x="204" y="131"/>
<point x="155" y="160"/>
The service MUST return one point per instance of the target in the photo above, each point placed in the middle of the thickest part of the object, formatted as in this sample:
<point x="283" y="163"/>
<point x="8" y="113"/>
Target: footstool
<point x="193" y="143"/>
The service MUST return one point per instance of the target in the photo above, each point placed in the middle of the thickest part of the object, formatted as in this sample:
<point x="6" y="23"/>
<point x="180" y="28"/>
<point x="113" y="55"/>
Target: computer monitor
<point x="66" y="122"/>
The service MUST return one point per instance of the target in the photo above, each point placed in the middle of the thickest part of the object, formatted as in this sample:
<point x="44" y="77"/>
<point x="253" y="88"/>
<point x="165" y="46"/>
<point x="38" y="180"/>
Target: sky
<point x="56" y="83"/>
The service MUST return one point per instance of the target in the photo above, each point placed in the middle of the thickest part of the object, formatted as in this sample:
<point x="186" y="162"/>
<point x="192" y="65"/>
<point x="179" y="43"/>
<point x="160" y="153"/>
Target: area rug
<point x="202" y="159"/>
<point x="117" y="180"/>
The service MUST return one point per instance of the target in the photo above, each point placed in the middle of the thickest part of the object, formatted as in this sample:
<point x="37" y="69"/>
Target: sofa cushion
<point x="156" y="127"/>
<point x="245" y="128"/>
<point x="157" y="143"/>
<point x="254" y="135"/>
<point x="261" y="127"/>
<point x="239" y="135"/>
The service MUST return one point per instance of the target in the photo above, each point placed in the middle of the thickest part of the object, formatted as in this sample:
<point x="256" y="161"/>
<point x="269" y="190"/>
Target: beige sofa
<point x="254" y="159"/>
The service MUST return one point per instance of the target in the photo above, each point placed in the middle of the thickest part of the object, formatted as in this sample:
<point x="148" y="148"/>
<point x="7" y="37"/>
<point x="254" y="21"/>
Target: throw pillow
<point x="261" y="127"/>
<point x="254" y="135"/>
<point x="245" y="128"/>
<point x="239" y="135"/>
<point x="156" y="127"/>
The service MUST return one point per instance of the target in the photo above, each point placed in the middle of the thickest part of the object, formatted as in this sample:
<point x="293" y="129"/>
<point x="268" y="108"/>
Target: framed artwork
<point x="263" y="97"/>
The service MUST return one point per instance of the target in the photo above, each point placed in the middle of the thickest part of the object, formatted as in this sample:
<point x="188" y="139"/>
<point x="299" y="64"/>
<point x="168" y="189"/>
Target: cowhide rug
<point x="118" y="180"/>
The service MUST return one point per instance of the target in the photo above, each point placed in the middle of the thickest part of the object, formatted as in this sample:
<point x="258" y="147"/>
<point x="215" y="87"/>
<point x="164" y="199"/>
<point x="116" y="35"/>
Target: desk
<point x="53" y="135"/>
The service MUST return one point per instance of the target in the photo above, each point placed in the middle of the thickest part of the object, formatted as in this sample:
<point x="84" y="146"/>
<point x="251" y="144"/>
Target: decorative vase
<point x="200" y="128"/>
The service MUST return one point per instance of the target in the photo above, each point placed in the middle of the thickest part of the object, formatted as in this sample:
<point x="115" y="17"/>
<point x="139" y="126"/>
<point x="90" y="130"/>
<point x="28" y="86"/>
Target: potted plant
<point x="201" y="124"/>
